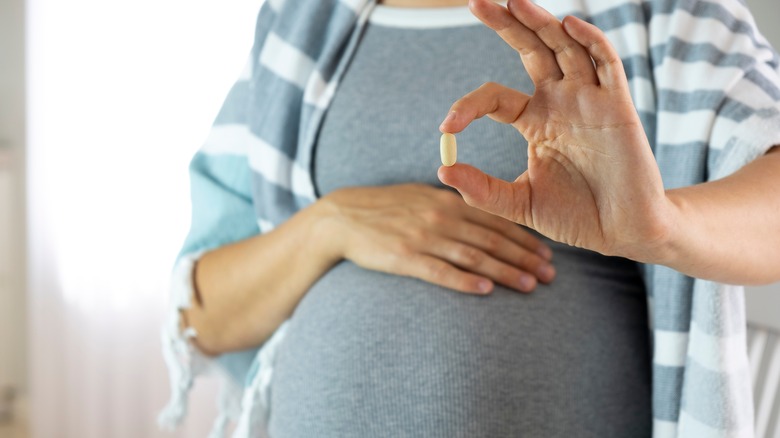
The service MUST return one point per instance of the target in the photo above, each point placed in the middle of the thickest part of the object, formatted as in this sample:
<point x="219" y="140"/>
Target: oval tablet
<point x="449" y="149"/>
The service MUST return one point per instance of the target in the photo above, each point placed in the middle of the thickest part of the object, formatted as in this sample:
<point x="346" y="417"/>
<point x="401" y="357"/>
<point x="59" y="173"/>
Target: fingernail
<point x="484" y="286"/>
<point x="526" y="283"/>
<point x="567" y="23"/>
<point x="545" y="252"/>
<point x="546" y="272"/>
<point x="450" y="117"/>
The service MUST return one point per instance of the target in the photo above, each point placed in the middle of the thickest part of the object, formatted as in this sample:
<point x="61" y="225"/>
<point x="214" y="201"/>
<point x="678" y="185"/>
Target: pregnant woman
<point x="385" y="305"/>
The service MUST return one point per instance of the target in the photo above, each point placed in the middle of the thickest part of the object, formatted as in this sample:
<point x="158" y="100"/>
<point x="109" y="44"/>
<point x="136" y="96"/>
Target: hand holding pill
<point x="592" y="180"/>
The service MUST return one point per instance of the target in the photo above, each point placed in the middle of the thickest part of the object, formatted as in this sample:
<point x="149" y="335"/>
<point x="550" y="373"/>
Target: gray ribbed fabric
<point x="704" y="81"/>
<point x="369" y="354"/>
<point x="395" y="93"/>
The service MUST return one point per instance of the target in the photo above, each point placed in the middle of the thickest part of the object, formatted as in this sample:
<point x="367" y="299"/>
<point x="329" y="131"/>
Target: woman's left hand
<point x="592" y="180"/>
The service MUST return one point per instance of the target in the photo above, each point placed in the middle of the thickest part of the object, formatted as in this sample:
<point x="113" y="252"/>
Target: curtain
<point x="120" y="95"/>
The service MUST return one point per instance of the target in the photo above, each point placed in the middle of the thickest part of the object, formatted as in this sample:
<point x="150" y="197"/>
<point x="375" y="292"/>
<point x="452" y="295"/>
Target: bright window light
<point x="121" y="94"/>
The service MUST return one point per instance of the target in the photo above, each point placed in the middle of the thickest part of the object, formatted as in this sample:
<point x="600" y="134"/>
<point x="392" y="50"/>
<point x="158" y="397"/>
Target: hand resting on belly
<point x="247" y="289"/>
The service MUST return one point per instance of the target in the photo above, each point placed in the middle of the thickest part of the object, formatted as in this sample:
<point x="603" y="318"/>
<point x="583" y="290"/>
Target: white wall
<point x="763" y="303"/>
<point x="12" y="133"/>
<point x="120" y="96"/>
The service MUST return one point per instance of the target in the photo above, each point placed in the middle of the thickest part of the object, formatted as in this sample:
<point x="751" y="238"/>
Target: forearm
<point x="727" y="230"/>
<point x="246" y="290"/>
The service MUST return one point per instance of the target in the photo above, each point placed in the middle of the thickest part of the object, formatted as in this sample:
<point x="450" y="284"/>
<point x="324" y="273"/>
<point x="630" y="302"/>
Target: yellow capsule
<point x="449" y="149"/>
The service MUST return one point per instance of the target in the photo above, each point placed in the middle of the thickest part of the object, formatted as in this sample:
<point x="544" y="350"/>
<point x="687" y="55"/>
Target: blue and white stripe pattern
<point x="764" y="354"/>
<point x="704" y="81"/>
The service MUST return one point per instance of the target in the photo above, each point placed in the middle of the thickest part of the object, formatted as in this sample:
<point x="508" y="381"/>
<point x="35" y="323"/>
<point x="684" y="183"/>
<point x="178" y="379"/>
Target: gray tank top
<point x="372" y="354"/>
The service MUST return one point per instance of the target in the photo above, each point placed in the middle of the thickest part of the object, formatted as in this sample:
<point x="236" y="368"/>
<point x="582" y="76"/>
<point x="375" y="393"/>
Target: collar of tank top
<point x="423" y="18"/>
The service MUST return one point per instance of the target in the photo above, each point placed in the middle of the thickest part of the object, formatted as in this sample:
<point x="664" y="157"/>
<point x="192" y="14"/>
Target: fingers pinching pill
<point x="449" y="149"/>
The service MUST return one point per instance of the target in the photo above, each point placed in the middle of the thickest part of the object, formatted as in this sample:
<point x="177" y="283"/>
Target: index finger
<point x="538" y="58"/>
<point x="500" y="103"/>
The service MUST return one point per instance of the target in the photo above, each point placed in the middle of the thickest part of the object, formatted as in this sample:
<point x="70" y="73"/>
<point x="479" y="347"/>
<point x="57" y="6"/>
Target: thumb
<point x="488" y="193"/>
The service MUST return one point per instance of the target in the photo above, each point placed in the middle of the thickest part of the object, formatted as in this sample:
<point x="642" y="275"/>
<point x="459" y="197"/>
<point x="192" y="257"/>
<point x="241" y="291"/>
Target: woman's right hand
<point x="420" y="231"/>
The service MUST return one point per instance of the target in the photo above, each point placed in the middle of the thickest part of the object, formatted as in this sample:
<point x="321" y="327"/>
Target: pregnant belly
<point x="367" y="351"/>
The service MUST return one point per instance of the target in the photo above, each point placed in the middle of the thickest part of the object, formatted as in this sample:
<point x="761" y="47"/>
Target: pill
<point x="449" y="149"/>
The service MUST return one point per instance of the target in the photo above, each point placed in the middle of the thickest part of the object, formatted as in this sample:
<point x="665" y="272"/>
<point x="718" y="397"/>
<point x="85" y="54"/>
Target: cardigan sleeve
<point x="222" y="213"/>
<point x="718" y="86"/>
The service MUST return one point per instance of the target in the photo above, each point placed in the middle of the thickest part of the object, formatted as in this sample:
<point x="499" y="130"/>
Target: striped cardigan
<point x="704" y="81"/>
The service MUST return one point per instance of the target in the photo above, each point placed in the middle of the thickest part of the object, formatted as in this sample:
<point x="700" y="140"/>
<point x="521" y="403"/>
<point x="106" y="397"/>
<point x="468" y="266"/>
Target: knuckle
<point x="536" y="49"/>
<point x="419" y="235"/>
<point x="404" y="250"/>
<point x="562" y="49"/>
<point x="543" y="27"/>
<point x="396" y="263"/>
<point x="493" y="241"/>
<point x="470" y="256"/>
<point x="435" y="216"/>
<point x="437" y="272"/>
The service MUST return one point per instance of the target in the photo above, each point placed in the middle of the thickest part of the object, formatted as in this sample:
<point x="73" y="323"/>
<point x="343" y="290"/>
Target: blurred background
<point x="102" y="104"/>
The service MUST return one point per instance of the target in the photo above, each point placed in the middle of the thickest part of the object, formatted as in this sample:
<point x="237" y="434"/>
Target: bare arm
<point x="728" y="230"/>
<point x="592" y="180"/>
<point x="247" y="289"/>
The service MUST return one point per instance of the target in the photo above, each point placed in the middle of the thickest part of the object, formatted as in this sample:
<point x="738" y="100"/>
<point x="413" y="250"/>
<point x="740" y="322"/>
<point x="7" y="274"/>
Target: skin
<point x="582" y="169"/>
<point x="592" y="181"/>
<point x="245" y="290"/>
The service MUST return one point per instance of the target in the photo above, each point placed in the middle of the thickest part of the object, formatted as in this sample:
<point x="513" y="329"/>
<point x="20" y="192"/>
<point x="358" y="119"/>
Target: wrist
<point x="324" y="232"/>
<point x="659" y="241"/>
<point x="671" y="232"/>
